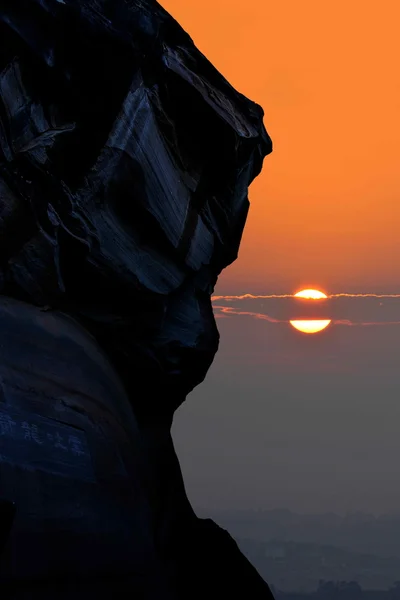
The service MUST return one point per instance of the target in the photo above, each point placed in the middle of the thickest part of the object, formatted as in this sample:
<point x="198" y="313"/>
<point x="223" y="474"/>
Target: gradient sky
<point x="285" y="420"/>
<point x="325" y="210"/>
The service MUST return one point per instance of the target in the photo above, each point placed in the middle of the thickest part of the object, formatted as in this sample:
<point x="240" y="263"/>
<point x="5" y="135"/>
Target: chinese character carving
<point x="6" y="425"/>
<point x="58" y="442"/>
<point x="31" y="432"/>
<point x="76" y="445"/>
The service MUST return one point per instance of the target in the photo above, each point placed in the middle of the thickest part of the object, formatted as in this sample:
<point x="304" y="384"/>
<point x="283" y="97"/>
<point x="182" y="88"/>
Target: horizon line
<point x="274" y="296"/>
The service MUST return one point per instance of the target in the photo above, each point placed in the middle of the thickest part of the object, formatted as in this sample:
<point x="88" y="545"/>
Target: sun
<point x="311" y="295"/>
<point x="310" y="325"/>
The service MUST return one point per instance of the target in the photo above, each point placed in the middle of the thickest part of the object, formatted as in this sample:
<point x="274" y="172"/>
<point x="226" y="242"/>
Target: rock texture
<point x="125" y="161"/>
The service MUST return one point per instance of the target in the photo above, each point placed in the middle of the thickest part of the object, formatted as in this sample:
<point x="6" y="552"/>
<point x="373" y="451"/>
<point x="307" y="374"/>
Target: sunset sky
<point x="325" y="210"/>
<point x="285" y="419"/>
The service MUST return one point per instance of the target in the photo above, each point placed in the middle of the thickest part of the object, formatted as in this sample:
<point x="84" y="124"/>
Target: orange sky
<point x="326" y="210"/>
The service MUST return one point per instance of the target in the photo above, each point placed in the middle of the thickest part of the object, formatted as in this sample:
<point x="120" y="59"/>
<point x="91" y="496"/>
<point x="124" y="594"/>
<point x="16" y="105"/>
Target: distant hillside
<point x="364" y="595"/>
<point x="360" y="533"/>
<point x="291" y="566"/>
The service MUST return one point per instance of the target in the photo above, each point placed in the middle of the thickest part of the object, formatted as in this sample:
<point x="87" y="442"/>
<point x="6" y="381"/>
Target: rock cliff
<point x="125" y="161"/>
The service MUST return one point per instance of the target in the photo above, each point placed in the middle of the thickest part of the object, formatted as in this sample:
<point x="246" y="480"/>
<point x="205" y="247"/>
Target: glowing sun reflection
<point x="312" y="326"/>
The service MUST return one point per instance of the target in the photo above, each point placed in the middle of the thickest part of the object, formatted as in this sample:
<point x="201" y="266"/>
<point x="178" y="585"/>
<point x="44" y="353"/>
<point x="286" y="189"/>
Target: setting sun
<point x="311" y="295"/>
<point x="310" y="325"/>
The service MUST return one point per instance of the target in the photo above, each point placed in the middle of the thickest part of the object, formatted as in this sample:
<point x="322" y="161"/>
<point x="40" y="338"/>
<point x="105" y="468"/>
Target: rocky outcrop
<point x="125" y="161"/>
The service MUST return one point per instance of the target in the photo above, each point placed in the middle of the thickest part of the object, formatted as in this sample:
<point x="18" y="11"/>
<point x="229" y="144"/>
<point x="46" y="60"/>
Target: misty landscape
<point x="295" y="552"/>
<point x="309" y="424"/>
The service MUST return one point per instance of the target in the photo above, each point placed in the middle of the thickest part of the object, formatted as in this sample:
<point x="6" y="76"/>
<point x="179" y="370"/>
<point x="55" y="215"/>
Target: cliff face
<point x="125" y="161"/>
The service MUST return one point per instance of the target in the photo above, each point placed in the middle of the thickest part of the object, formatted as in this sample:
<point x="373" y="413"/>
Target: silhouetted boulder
<point x="125" y="161"/>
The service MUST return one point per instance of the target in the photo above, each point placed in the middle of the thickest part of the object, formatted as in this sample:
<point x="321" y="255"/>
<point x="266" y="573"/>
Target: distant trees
<point x="345" y="590"/>
<point x="342" y="590"/>
<point x="394" y="592"/>
<point x="350" y="590"/>
<point x="328" y="590"/>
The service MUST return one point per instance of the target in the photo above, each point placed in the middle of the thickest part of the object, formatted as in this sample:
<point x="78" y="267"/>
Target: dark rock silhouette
<point x="125" y="161"/>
